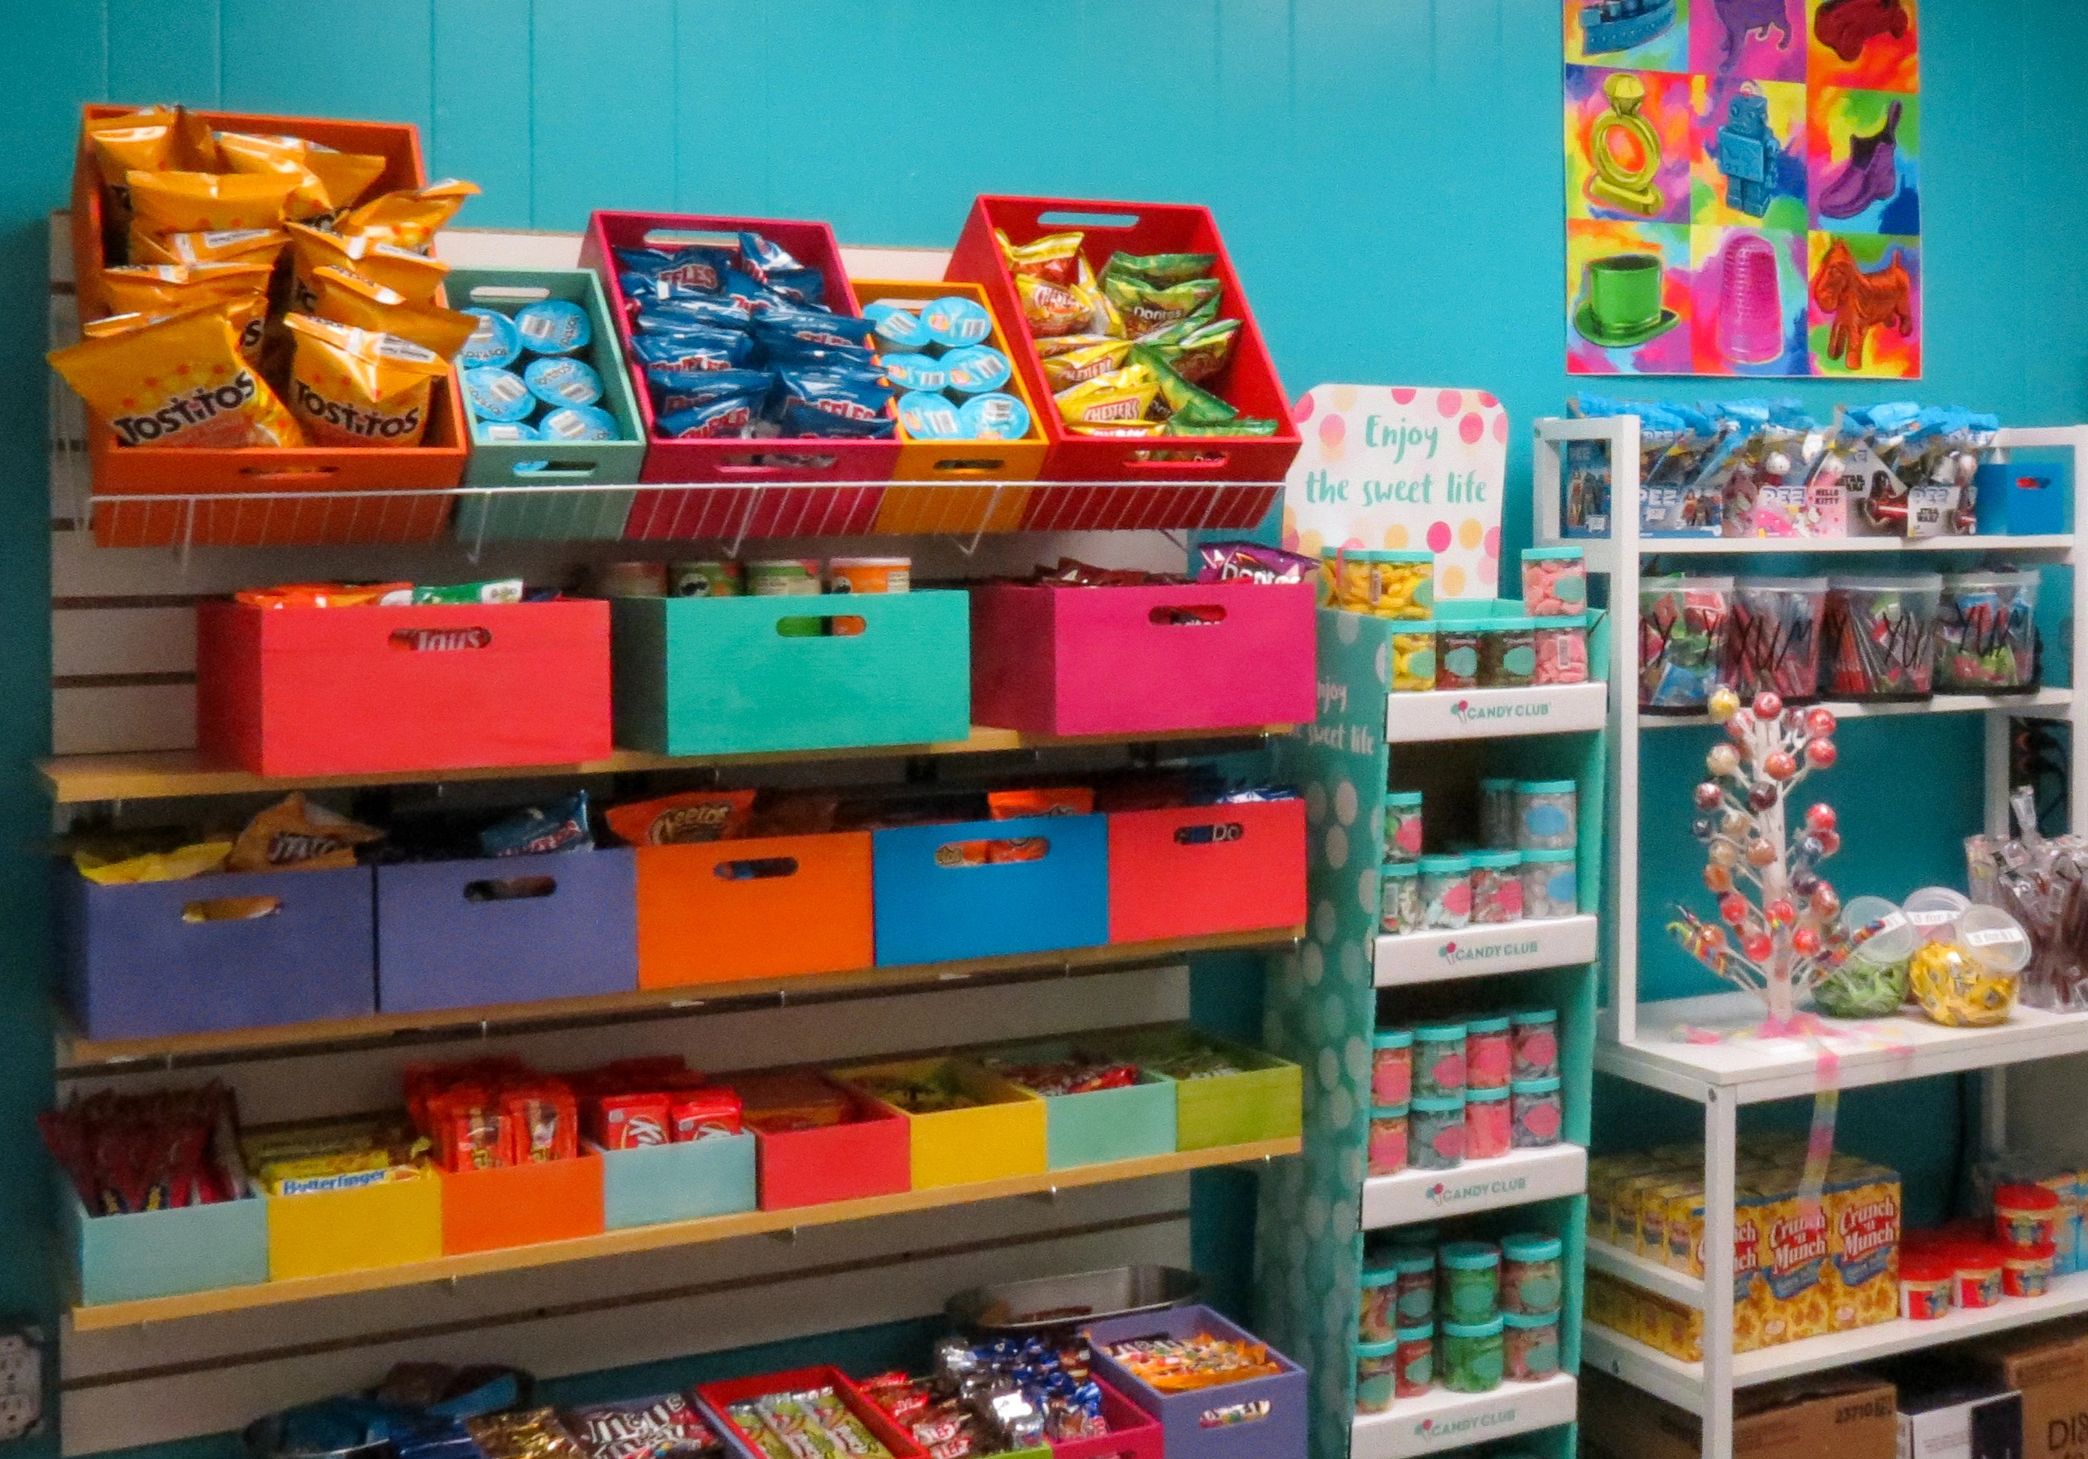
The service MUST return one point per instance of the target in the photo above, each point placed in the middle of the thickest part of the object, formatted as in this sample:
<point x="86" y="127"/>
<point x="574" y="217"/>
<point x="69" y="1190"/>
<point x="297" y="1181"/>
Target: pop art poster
<point x="1716" y="149"/>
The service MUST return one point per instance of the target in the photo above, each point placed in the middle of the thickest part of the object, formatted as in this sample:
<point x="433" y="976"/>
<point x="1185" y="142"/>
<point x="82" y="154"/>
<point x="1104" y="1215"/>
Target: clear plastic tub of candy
<point x="1880" y="636"/>
<point x="1772" y="638"/>
<point x="1681" y="626"/>
<point x="1872" y="979"/>
<point x="1986" y="640"/>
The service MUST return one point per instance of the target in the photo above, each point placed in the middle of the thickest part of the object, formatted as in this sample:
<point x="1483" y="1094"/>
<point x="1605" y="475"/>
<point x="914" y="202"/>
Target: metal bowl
<point x="1050" y="1304"/>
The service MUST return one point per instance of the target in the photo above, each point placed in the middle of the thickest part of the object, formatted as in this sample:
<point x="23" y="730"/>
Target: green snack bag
<point x="1245" y="425"/>
<point x="1180" y="399"/>
<point x="1160" y="269"/>
<point x="1199" y="352"/>
<point x="500" y="590"/>
<point x="1147" y="309"/>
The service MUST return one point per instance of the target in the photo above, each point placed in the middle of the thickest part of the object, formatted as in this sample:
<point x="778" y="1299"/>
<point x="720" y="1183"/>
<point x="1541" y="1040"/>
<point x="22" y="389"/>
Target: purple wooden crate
<point x="1263" y="1418"/>
<point x="439" y="947"/>
<point x="134" y="968"/>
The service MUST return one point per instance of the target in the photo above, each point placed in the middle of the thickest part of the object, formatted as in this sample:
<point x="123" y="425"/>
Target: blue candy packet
<point x="773" y="266"/>
<point x="693" y="348"/>
<point x="827" y="402"/>
<point x="559" y="826"/>
<point x="678" y="390"/>
<point x="680" y="310"/>
<point x="811" y="326"/>
<point x="698" y="266"/>
<point x="729" y="415"/>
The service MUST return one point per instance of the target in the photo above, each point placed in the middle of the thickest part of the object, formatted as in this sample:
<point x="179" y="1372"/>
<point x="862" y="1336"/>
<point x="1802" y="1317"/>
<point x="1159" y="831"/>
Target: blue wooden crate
<point x="681" y="1182"/>
<point x="932" y="906"/>
<point x="128" y="1258"/>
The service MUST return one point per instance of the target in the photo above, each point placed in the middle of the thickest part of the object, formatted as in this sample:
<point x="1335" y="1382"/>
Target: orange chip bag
<point x="195" y="145"/>
<point x="141" y="140"/>
<point x="326" y="595"/>
<point x="675" y="820"/>
<point x="349" y="299"/>
<point x="415" y="276"/>
<point x="409" y="218"/>
<point x="247" y="314"/>
<point x="177" y="381"/>
<point x="326" y="181"/>
<point x="1055" y="256"/>
<point x="295" y="835"/>
<point x="356" y="387"/>
<point x="158" y="289"/>
<point x="230" y="245"/>
<point x="200" y="202"/>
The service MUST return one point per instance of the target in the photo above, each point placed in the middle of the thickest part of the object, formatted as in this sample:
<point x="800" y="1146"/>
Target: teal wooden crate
<point x="716" y="676"/>
<point x="1106" y="1125"/>
<point x="129" y="1258"/>
<point x="1265" y="1102"/>
<point x="682" y="1182"/>
<point x="531" y="511"/>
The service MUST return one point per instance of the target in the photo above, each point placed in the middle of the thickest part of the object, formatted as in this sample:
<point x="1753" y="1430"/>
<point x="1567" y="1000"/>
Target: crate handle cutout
<point x="1187" y="615"/>
<point x="760" y="868"/>
<point x="1062" y="218"/>
<point x="981" y="467"/>
<point x="1209" y="833"/>
<point x="1232" y="1415"/>
<point x="683" y="237"/>
<point x="554" y="470"/>
<point x="440" y="640"/>
<point x="510" y="888"/>
<point x="515" y="293"/>
<point x="996" y="851"/>
<point x="301" y="473"/>
<point x="755" y="465"/>
<point x="230" y="909"/>
<point x="827" y="625"/>
<point x="1202" y="461"/>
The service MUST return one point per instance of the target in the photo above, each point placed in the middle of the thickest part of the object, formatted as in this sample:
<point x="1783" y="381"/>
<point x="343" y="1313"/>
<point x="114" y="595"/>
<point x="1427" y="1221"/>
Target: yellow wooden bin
<point x="1003" y="1136"/>
<point x="316" y="1233"/>
<point x="949" y="505"/>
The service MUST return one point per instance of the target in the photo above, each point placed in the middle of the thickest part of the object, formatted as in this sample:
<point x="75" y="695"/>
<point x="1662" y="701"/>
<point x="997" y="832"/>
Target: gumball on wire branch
<point x="1777" y="930"/>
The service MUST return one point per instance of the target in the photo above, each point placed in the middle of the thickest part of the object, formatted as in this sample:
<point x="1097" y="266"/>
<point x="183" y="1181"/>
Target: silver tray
<point x="1048" y="1304"/>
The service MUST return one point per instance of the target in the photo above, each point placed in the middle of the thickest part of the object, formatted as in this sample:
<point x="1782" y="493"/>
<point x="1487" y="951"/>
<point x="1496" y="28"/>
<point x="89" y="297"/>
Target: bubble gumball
<point x="1723" y="705"/>
<point x="1708" y="796"/>
<point x="1819" y="817"/>
<point x="1722" y="761"/>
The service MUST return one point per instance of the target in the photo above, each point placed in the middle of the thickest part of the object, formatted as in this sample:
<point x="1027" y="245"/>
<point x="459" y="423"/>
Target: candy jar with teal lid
<point x="1555" y="581"/>
<point x="1457" y="653"/>
<point x="1471" y="1276"/>
<point x="1404" y="584"/>
<point x="1508" y="653"/>
<point x="1550" y="884"/>
<point x="1536" y="1037"/>
<point x="1472" y="1360"/>
<point x="1378" y="1320"/>
<point x="1562" y="650"/>
<point x="1391" y="1066"/>
<point x="1387" y="1153"/>
<point x="1416" y="1360"/>
<point x="1497" y="894"/>
<point x="1497" y="812"/>
<point x="1489" y="1051"/>
<point x="1530" y="1345"/>
<point x="1413" y="655"/>
<point x="1377" y="1375"/>
<point x="1414" y="1283"/>
<point x="1446" y="892"/>
<point x="1547" y="815"/>
<point x="1402" y="909"/>
<point x="1539" y="1113"/>
<point x="1532" y="1274"/>
<point x="1439" y="1060"/>
<point x="1403" y="825"/>
<point x="1489" y="1131"/>
<point x="1435" y="1132"/>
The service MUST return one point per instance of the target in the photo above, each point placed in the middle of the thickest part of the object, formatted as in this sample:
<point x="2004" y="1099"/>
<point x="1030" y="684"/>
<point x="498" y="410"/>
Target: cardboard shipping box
<point x="2049" y="1367"/>
<point x="1845" y="1416"/>
<point x="1953" y="1407"/>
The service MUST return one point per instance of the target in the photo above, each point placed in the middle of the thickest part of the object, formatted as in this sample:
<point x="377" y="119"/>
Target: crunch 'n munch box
<point x="1863" y="1235"/>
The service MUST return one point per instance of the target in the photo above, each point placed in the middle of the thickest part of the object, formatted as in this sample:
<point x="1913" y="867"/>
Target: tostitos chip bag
<point x="177" y="381"/>
<point x="1055" y="256"/>
<point x="248" y="316"/>
<point x="160" y="289"/>
<point x="141" y="141"/>
<point x="326" y="181"/>
<point x="415" y="276"/>
<point x="356" y="387"/>
<point x="199" y="202"/>
<point x="409" y="218"/>
<point x="349" y="299"/>
<point x="230" y="245"/>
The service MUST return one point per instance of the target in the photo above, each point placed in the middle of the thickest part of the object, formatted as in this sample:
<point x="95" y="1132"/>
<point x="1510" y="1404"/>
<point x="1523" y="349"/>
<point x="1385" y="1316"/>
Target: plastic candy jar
<point x="1414" y="656"/>
<point x="1772" y="638"/>
<point x="1561" y="645"/>
<point x="1497" y="812"/>
<point x="1488" y="1132"/>
<point x="1471" y="1272"/>
<point x="1532" y="1278"/>
<point x="1879" y="635"/>
<point x="1416" y="1360"/>
<point x="1392" y="1066"/>
<point x="2025" y="1216"/>
<point x="1413" y="1268"/>
<point x="1507" y="653"/>
<point x="1457" y="653"/>
<point x="1388" y="1139"/>
<point x="1472" y="1358"/>
<point x="1681" y="625"/>
<point x="1872" y="980"/>
<point x="1435" y="1133"/>
<point x="1538" y="1115"/>
<point x="1496" y="887"/>
<point x="1978" y="1275"/>
<point x="1377" y="1375"/>
<point x="1446" y="892"/>
<point x="1489" y="1052"/>
<point x="1536" y="1037"/>
<point x="1379" y="1317"/>
<point x="1986" y="642"/>
<point x="1547" y="815"/>
<point x="1402" y="907"/>
<point x="1550" y="884"/>
<point x="1927" y="1284"/>
<point x="1530" y="1346"/>
<point x="1404" y="585"/>
<point x="1439" y="1060"/>
<point x="1403" y="826"/>
<point x="1555" y="582"/>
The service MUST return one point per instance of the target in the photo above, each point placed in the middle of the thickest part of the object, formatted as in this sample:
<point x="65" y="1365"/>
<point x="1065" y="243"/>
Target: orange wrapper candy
<point x="413" y="275"/>
<point x="409" y="218"/>
<point x="325" y="181"/>
<point x="349" y="299"/>
<point x="353" y="387"/>
<point x="178" y="381"/>
<point x="201" y="202"/>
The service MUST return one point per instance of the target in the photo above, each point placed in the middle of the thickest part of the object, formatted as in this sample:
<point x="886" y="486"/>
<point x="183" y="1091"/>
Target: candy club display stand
<point x="1639" y="1040"/>
<point x="1323" y="1010"/>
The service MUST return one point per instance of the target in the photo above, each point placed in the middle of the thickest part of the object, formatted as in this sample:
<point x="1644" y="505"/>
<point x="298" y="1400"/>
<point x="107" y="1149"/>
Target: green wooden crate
<point x="1265" y="1103"/>
<point x="1106" y="1125"/>
<point x="727" y="676"/>
<point x="529" y="511"/>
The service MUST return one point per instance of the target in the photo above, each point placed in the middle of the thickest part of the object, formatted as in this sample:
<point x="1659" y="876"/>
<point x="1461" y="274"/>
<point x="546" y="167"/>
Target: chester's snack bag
<point x="350" y="299"/>
<point x="355" y="387"/>
<point x="1054" y="257"/>
<point x="1054" y="308"/>
<point x="198" y="202"/>
<point x="415" y="276"/>
<point x="134" y="381"/>
<point x="409" y="218"/>
<point x="676" y="820"/>
<point x="159" y="289"/>
<point x="1117" y="398"/>
<point x="325" y="181"/>
<point x="1070" y="367"/>
<point x="295" y="835"/>
<point x="230" y="245"/>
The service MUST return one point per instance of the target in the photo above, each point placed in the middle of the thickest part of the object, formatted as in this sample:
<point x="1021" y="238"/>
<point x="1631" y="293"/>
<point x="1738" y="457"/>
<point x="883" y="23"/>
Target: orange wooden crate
<point x="267" y="474"/>
<point x="521" y="1205"/>
<point x="808" y="911"/>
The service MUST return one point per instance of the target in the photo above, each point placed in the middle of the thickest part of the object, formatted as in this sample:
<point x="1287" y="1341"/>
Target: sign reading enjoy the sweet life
<point x="1405" y="468"/>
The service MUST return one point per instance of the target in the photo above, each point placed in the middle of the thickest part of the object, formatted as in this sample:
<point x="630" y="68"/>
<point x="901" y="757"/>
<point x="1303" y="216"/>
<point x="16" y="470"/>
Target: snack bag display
<point x="352" y="387"/>
<point x="136" y="382"/>
<point x="409" y="218"/>
<point x="690" y="816"/>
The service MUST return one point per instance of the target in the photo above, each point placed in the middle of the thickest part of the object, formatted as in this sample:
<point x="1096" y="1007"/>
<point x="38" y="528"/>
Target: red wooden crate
<point x="1189" y="871"/>
<point x="717" y="1396"/>
<point x="267" y="474"/>
<point x="870" y="1155"/>
<point x="1094" y="661"/>
<point x="730" y="505"/>
<point x="1250" y="381"/>
<point x="344" y="691"/>
<point x="1133" y="1433"/>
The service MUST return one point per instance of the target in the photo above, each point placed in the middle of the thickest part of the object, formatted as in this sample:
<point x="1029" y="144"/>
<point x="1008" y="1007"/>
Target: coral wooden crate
<point x="719" y="1398"/>
<point x="317" y="1233"/>
<point x="254" y="492"/>
<point x="775" y="907"/>
<point x="1187" y="871"/>
<point x="521" y="1205"/>
<point x="1249" y="381"/>
<point x="1001" y="1136"/>
<point x="868" y="1154"/>
<point x="1094" y="661"/>
<point x="735" y="477"/>
<point x="343" y="691"/>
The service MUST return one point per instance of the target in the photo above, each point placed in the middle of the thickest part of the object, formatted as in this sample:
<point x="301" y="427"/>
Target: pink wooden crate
<point x="1104" y="661"/>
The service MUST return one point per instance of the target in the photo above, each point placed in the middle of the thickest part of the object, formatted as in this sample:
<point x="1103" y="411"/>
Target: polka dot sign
<point x="1402" y="468"/>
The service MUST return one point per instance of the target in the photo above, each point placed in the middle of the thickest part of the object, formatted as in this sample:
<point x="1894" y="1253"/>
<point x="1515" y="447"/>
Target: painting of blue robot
<point x="1749" y="155"/>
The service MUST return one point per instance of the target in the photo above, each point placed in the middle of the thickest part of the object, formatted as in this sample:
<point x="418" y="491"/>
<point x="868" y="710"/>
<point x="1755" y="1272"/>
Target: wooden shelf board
<point x="103" y="1316"/>
<point x="74" y="1052"/>
<point x="168" y="774"/>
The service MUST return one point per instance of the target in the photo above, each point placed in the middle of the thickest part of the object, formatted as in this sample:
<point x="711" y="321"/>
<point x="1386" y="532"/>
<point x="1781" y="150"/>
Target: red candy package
<point x="148" y="1152"/>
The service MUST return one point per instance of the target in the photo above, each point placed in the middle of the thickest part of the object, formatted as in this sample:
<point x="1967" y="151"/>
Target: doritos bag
<point x="199" y="202"/>
<point x="415" y="276"/>
<point x="177" y="381"/>
<point x="348" y="299"/>
<point x="354" y="387"/>
<point x="409" y="218"/>
<point x="326" y="181"/>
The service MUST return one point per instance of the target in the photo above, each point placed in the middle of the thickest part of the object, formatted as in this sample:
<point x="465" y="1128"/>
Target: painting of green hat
<point x="1622" y="308"/>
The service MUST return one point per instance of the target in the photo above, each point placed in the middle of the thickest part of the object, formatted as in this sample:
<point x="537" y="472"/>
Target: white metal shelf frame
<point x="1723" y="1076"/>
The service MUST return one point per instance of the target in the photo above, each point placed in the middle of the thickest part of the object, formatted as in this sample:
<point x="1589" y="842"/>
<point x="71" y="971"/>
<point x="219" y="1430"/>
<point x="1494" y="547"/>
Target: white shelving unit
<point x="1443" y="1423"/>
<point x="1477" y="952"/>
<point x="1515" y="1179"/>
<point x="1681" y="1046"/>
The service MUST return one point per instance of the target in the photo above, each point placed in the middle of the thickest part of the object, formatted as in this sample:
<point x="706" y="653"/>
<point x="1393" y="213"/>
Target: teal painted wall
<point x="1387" y="174"/>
